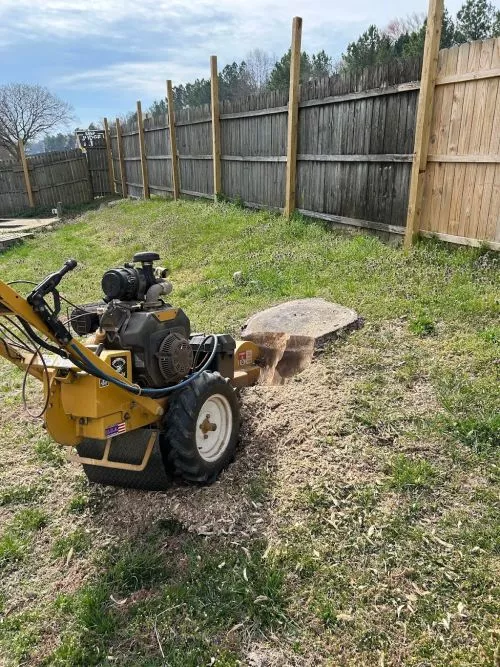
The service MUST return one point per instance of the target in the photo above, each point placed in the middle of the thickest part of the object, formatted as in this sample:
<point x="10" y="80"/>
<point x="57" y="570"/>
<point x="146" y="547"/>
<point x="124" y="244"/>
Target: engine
<point x="133" y="316"/>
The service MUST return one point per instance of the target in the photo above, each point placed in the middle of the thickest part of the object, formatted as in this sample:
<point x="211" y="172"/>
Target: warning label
<point x="245" y="358"/>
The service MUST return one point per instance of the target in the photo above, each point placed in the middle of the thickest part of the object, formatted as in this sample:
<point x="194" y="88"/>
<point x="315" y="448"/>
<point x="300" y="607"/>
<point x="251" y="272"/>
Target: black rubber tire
<point x="179" y="437"/>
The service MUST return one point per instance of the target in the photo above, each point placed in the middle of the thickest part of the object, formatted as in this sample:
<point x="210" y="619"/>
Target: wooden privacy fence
<point x="355" y="139"/>
<point x="43" y="180"/>
<point x="379" y="149"/>
<point x="461" y="197"/>
<point x="404" y="147"/>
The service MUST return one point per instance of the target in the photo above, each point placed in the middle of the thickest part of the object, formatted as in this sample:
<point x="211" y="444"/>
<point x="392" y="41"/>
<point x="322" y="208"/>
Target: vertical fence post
<point x="293" y="117"/>
<point x="26" y="172"/>
<point x="214" y="98"/>
<point x="119" y="143"/>
<point x="142" y="147"/>
<point x="109" y="157"/>
<point x="173" y="142"/>
<point x="424" y="118"/>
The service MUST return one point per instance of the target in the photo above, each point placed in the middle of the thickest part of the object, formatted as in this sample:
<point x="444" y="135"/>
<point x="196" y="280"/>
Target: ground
<point x="359" y="522"/>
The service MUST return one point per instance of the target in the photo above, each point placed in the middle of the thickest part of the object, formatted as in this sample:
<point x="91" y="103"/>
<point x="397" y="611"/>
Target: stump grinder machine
<point x="142" y="399"/>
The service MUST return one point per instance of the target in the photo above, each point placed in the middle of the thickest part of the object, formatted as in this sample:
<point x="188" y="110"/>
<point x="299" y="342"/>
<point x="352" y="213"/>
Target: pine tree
<point x="372" y="48"/>
<point x="476" y="19"/>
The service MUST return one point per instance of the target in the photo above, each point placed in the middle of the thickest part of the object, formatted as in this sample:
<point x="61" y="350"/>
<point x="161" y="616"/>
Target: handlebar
<point x="49" y="315"/>
<point x="49" y="283"/>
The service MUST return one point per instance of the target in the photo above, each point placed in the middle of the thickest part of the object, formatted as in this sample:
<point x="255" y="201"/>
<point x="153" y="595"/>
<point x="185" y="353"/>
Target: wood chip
<point x="69" y="556"/>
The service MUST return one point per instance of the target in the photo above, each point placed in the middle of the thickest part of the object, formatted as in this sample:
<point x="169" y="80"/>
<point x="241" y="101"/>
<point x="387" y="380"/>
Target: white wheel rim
<point x="214" y="427"/>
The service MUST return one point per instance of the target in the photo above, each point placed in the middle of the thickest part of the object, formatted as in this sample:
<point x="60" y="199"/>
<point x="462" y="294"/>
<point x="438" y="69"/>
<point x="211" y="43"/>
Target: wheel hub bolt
<point x="206" y="426"/>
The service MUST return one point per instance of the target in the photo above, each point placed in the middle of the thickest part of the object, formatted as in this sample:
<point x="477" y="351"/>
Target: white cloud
<point x="252" y="19"/>
<point x="150" y="40"/>
<point x="142" y="78"/>
<point x="249" y="20"/>
<point x="60" y="17"/>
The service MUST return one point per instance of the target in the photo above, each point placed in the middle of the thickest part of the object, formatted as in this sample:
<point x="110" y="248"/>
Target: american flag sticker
<point x="116" y="429"/>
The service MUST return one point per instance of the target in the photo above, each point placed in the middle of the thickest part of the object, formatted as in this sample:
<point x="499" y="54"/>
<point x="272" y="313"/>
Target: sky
<point x="103" y="55"/>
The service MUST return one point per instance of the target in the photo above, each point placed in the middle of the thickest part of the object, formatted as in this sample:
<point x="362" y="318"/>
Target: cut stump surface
<point x="288" y="334"/>
<point x="311" y="318"/>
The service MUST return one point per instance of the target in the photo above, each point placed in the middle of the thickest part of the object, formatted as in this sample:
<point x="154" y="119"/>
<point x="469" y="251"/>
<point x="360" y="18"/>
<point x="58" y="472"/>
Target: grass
<point x="19" y="493"/>
<point x="406" y="473"/>
<point x="77" y="542"/>
<point x="387" y="555"/>
<point x="211" y="588"/>
<point x="17" y="535"/>
<point x="422" y="326"/>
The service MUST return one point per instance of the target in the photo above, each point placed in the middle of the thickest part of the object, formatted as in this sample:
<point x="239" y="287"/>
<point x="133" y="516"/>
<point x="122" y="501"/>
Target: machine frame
<point x="81" y="405"/>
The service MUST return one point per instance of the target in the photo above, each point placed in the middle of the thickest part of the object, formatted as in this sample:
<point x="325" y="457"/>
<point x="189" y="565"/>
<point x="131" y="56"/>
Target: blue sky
<point x="103" y="55"/>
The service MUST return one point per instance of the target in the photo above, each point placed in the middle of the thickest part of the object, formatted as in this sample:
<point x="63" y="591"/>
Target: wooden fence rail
<point x="49" y="177"/>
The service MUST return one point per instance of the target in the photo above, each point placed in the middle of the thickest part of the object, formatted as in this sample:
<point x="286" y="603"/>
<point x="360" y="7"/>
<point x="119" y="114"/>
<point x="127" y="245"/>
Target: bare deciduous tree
<point x="26" y="111"/>
<point x="399" y="26"/>
<point x="259" y="65"/>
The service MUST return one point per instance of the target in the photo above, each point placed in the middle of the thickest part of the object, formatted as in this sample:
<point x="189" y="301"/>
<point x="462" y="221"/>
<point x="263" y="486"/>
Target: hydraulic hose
<point x="40" y="342"/>
<point x="90" y="368"/>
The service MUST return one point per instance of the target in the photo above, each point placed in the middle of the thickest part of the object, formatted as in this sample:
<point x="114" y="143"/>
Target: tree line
<point x="401" y="38"/>
<point x="31" y="112"/>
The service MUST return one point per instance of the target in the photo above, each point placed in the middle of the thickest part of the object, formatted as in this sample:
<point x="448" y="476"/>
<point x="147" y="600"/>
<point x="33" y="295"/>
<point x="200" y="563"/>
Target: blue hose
<point x="90" y="368"/>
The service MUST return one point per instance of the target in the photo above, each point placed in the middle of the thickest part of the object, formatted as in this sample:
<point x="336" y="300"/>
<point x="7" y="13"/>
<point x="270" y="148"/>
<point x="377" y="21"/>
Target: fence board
<point x="158" y="155"/>
<point x="97" y="158"/>
<point x="13" y="195"/>
<point x="130" y="143"/>
<point x="58" y="176"/>
<point x="461" y="190"/>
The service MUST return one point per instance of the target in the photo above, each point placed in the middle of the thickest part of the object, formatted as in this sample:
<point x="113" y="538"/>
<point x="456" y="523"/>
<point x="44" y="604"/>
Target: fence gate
<point x="93" y="144"/>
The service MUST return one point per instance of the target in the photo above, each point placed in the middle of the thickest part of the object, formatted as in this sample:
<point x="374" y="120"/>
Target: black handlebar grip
<point x="69" y="265"/>
<point x="49" y="285"/>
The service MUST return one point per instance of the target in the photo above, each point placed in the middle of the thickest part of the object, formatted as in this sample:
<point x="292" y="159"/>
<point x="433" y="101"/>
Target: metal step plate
<point x="129" y="448"/>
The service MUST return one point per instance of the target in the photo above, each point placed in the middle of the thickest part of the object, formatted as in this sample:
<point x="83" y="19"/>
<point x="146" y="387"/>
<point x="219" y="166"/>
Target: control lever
<point x="40" y="306"/>
<point x="49" y="283"/>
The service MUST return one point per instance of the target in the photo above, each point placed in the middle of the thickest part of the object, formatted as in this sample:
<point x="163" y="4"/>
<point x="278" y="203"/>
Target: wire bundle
<point x="36" y="343"/>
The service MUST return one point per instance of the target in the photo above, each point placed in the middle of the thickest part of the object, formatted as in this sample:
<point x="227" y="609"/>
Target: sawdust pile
<point x="286" y="441"/>
<point x="294" y="436"/>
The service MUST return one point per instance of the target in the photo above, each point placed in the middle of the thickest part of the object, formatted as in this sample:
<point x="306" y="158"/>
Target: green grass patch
<point x="78" y="504"/>
<point x="17" y="536"/>
<point x="31" y="519"/>
<point x="47" y="451"/>
<point x="406" y="473"/>
<point x="472" y="409"/>
<point x="12" y="548"/>
<point x="79" y="541"/>
<point x="20" y="494"/>
<point x="422" y="326"/>
<point x="69" y="210"/>
<point x="278" y="259"/>
<point x="196" y="584"/>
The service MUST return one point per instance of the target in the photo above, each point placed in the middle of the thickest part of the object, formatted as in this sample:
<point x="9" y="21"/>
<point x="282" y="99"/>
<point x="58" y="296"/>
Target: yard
<point x="359" y="523"/>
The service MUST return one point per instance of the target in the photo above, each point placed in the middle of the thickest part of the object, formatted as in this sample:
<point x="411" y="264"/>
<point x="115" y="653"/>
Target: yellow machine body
<point x="82" y="406"/>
